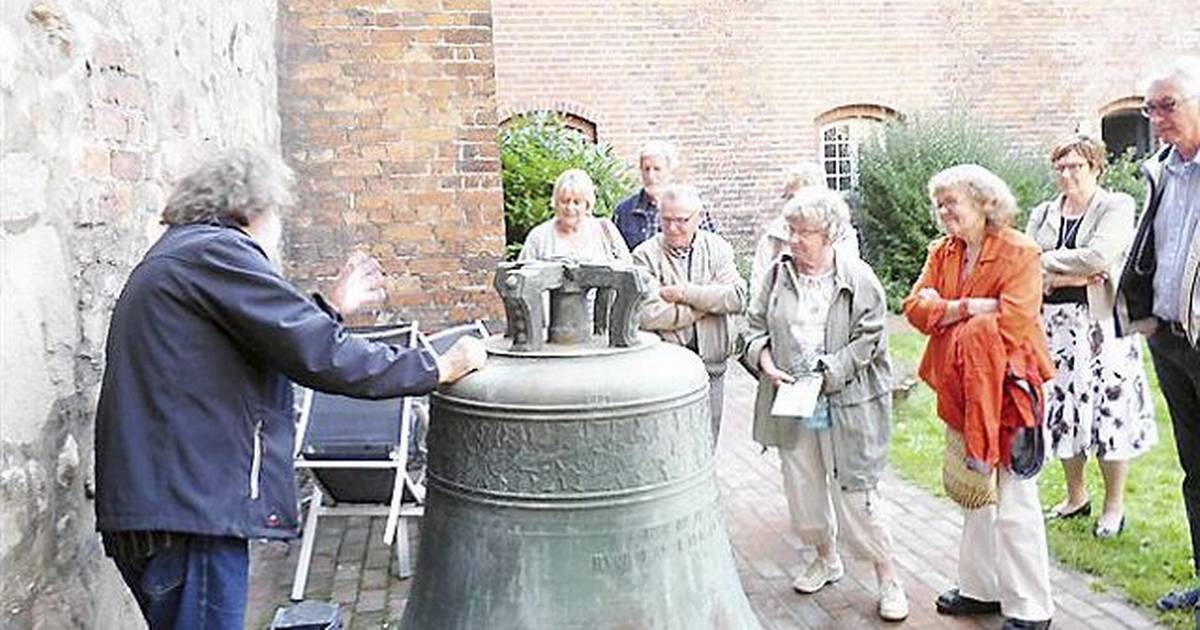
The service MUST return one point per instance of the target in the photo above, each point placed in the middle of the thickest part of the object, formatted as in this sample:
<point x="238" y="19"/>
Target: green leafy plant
<point x="895" y="167"/>
<point x="534" y="150"/>
<point x="1124" y="174"/>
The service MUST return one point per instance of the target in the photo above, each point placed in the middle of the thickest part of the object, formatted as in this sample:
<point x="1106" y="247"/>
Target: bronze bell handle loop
<point x="521" y="285"/>
<point x="620" y="292"/>
<point x="626" y="287"/>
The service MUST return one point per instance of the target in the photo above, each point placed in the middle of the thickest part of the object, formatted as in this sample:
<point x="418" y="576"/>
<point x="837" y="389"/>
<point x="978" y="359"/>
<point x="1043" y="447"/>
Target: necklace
<point x="1067" y="229"/>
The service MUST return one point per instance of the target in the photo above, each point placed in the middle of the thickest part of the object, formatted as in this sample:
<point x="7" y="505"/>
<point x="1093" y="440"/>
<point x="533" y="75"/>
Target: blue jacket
<point x="194" y="429"/>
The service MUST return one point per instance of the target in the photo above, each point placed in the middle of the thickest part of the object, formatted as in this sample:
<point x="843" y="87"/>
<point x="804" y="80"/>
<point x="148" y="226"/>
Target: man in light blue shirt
<point x="1159" y="292"/>
<point x="1174" y="228"/>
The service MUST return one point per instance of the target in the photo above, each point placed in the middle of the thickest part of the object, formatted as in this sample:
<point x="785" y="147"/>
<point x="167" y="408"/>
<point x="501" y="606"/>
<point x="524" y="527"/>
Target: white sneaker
<point x="818" y="574"/>
<point x="893" y="603"/>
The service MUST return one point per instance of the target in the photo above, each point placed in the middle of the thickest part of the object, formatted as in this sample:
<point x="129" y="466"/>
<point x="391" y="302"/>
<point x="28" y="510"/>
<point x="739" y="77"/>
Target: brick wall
<point x="388" y="111"/>
<point x="740" y="84"/>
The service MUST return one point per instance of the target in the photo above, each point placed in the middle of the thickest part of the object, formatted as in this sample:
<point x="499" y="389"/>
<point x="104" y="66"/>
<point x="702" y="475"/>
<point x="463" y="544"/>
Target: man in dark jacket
<point x="637" y="216"/>
<point x="1159" y="292"/>
<point x="194" y="428"/>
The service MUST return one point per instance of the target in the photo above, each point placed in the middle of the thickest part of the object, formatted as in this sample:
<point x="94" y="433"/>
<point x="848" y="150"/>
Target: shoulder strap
<point x="607" y="228"/>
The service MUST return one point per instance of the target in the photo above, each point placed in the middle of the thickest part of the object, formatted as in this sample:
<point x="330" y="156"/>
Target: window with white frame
<point x="840" y="142"/>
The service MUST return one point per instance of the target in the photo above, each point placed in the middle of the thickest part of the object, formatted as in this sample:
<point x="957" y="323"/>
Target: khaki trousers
<point x="821" y="511"/>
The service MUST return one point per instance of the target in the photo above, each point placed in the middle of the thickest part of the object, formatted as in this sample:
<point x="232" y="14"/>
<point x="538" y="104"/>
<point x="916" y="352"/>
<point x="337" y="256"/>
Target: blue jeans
<point x="196" y="583"/>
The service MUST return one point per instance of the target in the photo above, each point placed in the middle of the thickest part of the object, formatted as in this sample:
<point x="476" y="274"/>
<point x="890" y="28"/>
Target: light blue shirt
<point x="1178" y="213"/>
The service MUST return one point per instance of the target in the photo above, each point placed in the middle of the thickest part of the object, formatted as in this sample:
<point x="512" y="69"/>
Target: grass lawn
<point x="1151" y="557"/>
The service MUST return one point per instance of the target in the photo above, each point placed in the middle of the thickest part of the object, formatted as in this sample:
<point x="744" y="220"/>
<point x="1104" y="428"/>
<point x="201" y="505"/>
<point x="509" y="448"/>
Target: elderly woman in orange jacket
<point x="979" y="299"/>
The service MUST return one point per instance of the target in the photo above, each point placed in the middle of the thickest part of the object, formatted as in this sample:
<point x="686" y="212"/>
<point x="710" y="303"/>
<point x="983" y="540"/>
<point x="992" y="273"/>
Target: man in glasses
<point x="1159" y="293"/>
<point x="699" y="289"/>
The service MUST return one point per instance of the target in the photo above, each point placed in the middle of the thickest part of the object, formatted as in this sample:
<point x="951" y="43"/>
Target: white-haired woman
<point x="775" y="238"/>
<point x="574" y="232"/>
<point x="818" y="318"/>
<point x="979" y="299"/>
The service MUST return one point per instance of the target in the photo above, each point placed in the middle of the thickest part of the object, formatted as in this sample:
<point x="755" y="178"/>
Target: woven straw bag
<point x="967" y="487"/>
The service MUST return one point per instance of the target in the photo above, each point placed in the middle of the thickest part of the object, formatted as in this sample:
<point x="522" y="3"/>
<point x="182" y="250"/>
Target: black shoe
<point x="1104" y="532"/>
<point x="1081" y="511"/>
<point x="1177" y="600"/>
<point x="956" y="604"/>
<point x="1011" y="623"/>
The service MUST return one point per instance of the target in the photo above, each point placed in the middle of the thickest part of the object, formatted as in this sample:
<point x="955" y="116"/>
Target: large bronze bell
<point x="571" y="481"/>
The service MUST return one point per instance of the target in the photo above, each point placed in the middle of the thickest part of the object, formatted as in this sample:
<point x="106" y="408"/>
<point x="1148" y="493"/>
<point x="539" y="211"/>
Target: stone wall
<point x="105" y="105"/>
<point x="743" y="85"/>
<point x="389" y="115"/>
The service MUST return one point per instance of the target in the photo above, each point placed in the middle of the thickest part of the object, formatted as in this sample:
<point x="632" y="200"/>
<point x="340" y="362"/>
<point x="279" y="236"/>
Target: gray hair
<point x="683" y="195"/>
<point x="1184" y="70"/>
<point x="806" y="174"/>
<point x="819" y="205"/>
<point x="982" y="186"/>
<point x="578" y="181"/>
<point x="659" y="148"/>
<point x="235" y="186"/>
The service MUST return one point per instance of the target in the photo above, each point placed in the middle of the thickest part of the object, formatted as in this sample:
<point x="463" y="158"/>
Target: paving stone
<point x="371" y="601"/>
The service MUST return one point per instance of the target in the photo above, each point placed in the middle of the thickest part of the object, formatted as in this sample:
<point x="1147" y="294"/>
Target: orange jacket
<point x="966" y="363"/>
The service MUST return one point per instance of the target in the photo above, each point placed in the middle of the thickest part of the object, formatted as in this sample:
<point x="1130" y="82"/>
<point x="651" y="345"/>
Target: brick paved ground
<point x="351" y="563"/>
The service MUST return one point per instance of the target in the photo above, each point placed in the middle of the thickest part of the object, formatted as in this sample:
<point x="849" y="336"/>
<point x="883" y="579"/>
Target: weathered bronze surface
<point x="571" y="481"/>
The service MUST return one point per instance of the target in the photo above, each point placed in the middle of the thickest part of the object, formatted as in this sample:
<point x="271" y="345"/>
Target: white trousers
<point x="1003" y="556"/>
<point x="823" y="513"/>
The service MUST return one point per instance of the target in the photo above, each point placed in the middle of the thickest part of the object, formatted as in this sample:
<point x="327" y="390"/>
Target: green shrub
<point x="895" y="167"/>
<point x="1124" y="174"/>
<point x="534" y="150"/>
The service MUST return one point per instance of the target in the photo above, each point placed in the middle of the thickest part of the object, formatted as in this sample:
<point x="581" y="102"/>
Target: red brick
<point x="399" y="120"/>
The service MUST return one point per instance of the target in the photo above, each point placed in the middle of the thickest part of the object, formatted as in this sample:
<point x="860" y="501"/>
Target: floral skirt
<point x="1098" y="404"/>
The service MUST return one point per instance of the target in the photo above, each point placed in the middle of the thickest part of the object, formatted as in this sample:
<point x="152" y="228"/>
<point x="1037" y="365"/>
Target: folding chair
<point x="440" y="341"/>
<point x="357" y="451"/>
<point x="437" y="343"/>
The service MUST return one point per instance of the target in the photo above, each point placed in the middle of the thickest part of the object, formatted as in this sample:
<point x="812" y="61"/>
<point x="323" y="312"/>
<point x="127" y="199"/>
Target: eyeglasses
<point x="1070" y="167"/>
<point x="1163" y="107"/>
<point x="678" y="220"/>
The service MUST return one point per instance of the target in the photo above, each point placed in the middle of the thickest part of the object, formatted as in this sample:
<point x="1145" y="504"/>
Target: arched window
<point x="1122" y="126"/>
<point x="843" y="130"/>
<point x="584" y="127"/>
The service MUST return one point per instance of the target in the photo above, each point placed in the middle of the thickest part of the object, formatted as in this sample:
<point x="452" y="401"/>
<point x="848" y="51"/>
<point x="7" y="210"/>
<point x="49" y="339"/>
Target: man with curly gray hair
<point x="194" y="427"/>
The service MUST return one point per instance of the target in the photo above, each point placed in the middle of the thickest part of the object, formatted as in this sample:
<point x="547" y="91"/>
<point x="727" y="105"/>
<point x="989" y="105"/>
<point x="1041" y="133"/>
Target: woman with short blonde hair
<point x="574" y="232"/>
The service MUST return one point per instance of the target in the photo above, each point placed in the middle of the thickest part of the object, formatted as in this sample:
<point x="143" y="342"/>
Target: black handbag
<point x="1029" y="443"/>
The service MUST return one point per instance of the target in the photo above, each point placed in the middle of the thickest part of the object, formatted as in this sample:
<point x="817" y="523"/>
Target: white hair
<point x="982" y="186"/>
<point x="1184" y="70"/>
<point x="819" y="205"/>
<point x="806" y="174"/>
<point x="659" y="148"/>
<point x="683" y="195"/>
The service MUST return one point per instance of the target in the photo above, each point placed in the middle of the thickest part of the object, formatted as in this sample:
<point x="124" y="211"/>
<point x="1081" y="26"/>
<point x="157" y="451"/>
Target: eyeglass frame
<point x="677" y="220"/>
<point x="1073" y="167"/>
<point x="1164" y="106"/>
